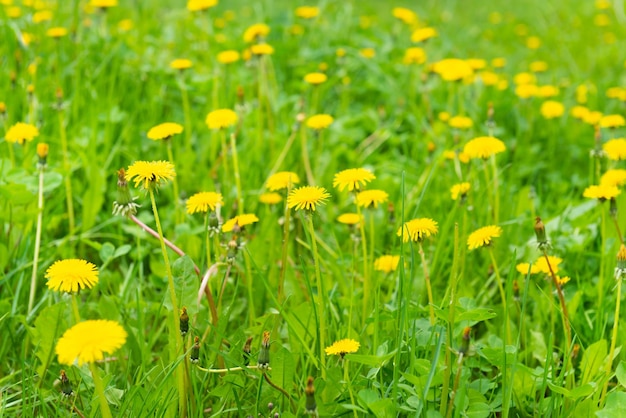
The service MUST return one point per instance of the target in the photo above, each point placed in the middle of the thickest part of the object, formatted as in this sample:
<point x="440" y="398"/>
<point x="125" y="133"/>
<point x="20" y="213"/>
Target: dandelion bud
<point x="42" y="153"/>
<point x="184" y="321"/>
<point x="3" y="108"/>
<point x="13" y="77"/>
<point x="194" y="356"/>
<point x="214" y="224"/>
<point x="515" y="290"/>
<point x="466" y="340"/>
<point x="540" y="232"/>
<point x="246" y="351"/>
<point x="30" y="89"/>
<point x="575" y="351"/>
<point x="310" y="405"/>
<point x="231" y="252"/>
<point x="240" y="94"/>
<point x="620" y="270"/>
<point x="270" y="406"/>
<point x="66" y="386"/>
<point x="263" y="361"/>
<point x="613" y="207"/>
<point x="124" y="205"/>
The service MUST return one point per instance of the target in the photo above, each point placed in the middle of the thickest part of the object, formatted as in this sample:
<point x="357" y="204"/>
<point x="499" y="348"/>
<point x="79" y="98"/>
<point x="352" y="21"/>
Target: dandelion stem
<point x="33" y="278"/>
<point x="224" y="151"/>
<point x="429" y="289"/>
<point x="99" y="385"/>
<point x="177" y="209"/>
<point x="305" y="157"/>
<point x="320" y="294"/>
<point x="67" y="172"/>
<point x="600" y="303"/>
<point x="496" y="191"/>
<point x="366" y="280"/>
<point x="505" y="312"/>
<point x="186" y="115"/>
<point x="609" y="362"/>
<point x="457" y="379"/>
<point x="346" y="377"/>
<point x="75" y="312"/>
<point x="233" y="147"/>
<point x="207" y="240"/>
<point x="285" y="250"/>
<point x="175" y="340"/>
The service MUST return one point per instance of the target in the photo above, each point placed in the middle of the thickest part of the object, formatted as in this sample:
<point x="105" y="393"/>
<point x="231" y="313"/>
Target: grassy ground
<point x="495" y="337"/>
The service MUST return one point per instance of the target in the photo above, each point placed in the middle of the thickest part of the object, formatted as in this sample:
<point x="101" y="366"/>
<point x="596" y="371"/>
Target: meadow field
<point x="280" y="209"/>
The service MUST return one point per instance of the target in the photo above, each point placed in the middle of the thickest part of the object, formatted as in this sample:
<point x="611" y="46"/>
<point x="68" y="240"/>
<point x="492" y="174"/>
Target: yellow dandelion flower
<point x="296" y="29"/>
<point x="319" y="122"/>
<point x="367" y="52"/>
<point x="453" y="69"/>
<point x="256" y="31"/>
<point x="307" y="197"/>
<point x="228" y="57"/>
<point x="387" y="263"/>
<point x="203" y="201"/>
<point x="307" y="12"/>
<point x="614" y="177"/>
<point x="579" y="112"/>
<point x="615" y="92"/>
<point x="56" y="32"/>
<point x="460" y="122"/>
<point x="125" y="25"/>
<point x="181" y="64"/>
<point x="476" y="63"/>
<point x="484" y="147"/>
<point x="602" y="192"/>
<point x="164" y="131"/>
<point x="612" y="121"/>
<point x="562" y="280"/>
<point x="489" y="78"/>
<point x="414" y="55"/>
<point x="198" y="5"/>
<point x="593" y="117"/>
<point x="150" y="174"/>
<point x="88" y="341"/>
<point x="315" y="78"/>
<point x="418" y="229"/>
<point x="71" y="275"/>
<point x="524" y="91"/>
<point x="343" y="347"/>
<point x="551" y="109"/>
<point x="423" y="34"/>
<point x="13" y="12"/>
<point x="352" y="178"/>
<point x="270" y="198"/>
<point x="538" y="66"/>
<point x="282" y="180"/>
<point x="407" y="16"/>
<point x="340" y="52"/>
<point x="241" y="220"/>
<point x="459" y="190"/>
<point x="262" y="49"/>
<point x="21" y="133"/>
<point x="498" y="62"/>
<point x="103" y="4"/>
<point x="524" y="78"/>
<point x="615" y="149"/>
<point x="42" y="16"/>
<point x="350" y="218"/>
<point x="541" y="265"/>
<point x="547" y="91"/>
<point x="372" y="197"/>
<point x="444" y="116"/>
<point x="483" y="236"/>
<point x="221" y="118"/>
<point x="522" y="268"/>
<point x="533" y="42"/>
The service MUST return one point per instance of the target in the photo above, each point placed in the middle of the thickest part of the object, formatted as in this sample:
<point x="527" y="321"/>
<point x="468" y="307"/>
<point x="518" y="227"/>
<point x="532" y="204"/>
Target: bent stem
<point x="33" y="278"/>
<point x="99" y="385"/>
<point x="429" y="289"/>
<point x="320" y="293"/>
<point x="175" y="340"/>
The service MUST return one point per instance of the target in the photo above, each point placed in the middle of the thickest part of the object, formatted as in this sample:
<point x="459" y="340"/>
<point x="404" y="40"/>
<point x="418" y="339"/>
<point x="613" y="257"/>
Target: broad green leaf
<point x="186" y="284"/>
<point x="283" y="366"/>
<point x="106" y="251"/>
<point x="48" y="325"/>
<point x="560" y="390"/>
<point x="383" y="408"/>
<point x="584" y="390"/>
<point x="593" y="361"/>
<point x="476" y="315"/>
<point x="374" y="361"/>
<point x="620" y="373"/>
<point x="615" y="406"/>
<point x="367" y="396"/>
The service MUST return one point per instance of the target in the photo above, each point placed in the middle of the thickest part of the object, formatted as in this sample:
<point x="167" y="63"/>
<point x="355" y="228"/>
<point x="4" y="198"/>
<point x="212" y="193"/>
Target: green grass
<point x="96" y="93"/>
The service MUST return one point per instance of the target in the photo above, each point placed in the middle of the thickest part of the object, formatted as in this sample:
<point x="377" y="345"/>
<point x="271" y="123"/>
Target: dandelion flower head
<point x="407" y="16"/>
<point x="612" y="121"/>
<point x="460" y="122"/>
<point x="307" y="12"/>
<point x="88" y="341"/>
<point x="228" y="56"/>
<point x="256" y="31"/>
<point x="371" y="197"/>
<point x="602" y="192"/>
<point x="615" y="149"/>
<point x="484" y="147"/>
<point x="71" y="275"/>
<point x="319" y="122"/>
<point x="262" y="49"/>
<point x="414" y="55"/>
<point x="352" y="178"/>
<point x="614" y="177"/>
<point x="21" y="132"/>
<point x="307" y="197"/>
<point x="350" y="218"/>
<point x="282" y="180"/>
<point x="541" y="265"/>
<point x="453" y="69"/>
<point x="149" y="174"/>
<point x="221" y="118"/>
<point x="241" y="220"/>
<point x="423" y="34"/>
<point x="418" y="229"/>
<point x="203" y="201"/>
<point x="103" y="4"/>
<point x="551" y="109"/>
<point x="198" y="5"/>
<point x="343" y="347"/>
<point x="315" y="78"/>
<point x="181" y="64"/>
<point x="56" y="32"/>
<point x="271" y="198"/>
<point x="387" y="263"/>
<point x="593" y="117"/>
<point x="483" y="236"/>
<point x="164" y="131"/>
<point x="459" y="190"/>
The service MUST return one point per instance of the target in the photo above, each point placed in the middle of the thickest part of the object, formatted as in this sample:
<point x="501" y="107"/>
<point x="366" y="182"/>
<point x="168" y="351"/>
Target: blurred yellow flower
<point x="239" y="220"/>
<point x="255" y="32"/>
<point x="453" y="69"/>
<point x="483" y="236"/>
<point x="21" y="132"/>
<point x="221" y="118"/>
<point x="149" y="174"/>
<point x="489" y="78"/>
<point x="423" y="34"/>
<point x="551" y="109"/>
<point x="547" y="91"/>
<point x="342" y="347"/>
<point x="601" y="192"/>
<point x="407" y="16"/>
<point x="418" y="229"/>
<point x="103" y="4"/>
<point x="612" y="121"/>
<point x="387" y="263"/>
<point x="350" y="218"/>
<point x="88" y="341"/>
<point x="56" y="32"/>
<point x="203" y="201"/>
<point x="181" y="64"/>
<point x="533" y="42"/>
<point x="614" y="177"/>
<point x="198" y="5"/>
<point x="42" y="16"/>
<point x="371" y="197"/>
<point x="282" y="180"/>
<point x="476" y="63"/>
<point x="262" y="49"/>
<point x="460" y="122"/>
<point x="579" y="112"/>
<point x="270" y="198"/>
<point x="524" y="91"/>
<point x="484" y="147"/>
<point x="414" y="55"/>
<point x="228" y="57"/>
<point x="459" y="190"/>
<point x="498" y="62"/>
<point x="352" y="178"/>
<point x="615" y="149"/>
<point x="524" y="78"/>
<point x="71" y="275"/>
<point x="307" y="12"/>
<point x="307" y="197"/>
<point x="367" y="52"/>
<point x="320" y="121"/>
<point x="593" y="117"/>
<point x="315" y="78"/>
<point x="164" y="131"/>
<point x="538" y="66"/>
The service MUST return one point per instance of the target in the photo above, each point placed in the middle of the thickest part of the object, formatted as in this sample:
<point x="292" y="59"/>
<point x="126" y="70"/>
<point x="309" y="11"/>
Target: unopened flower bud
<point x="620" y="269"/>
<point x="3" y="109"/>
<point x="247" y="347"/>
<point x="613" y="207"/>
<point x="194" y="356"/>
<point x="124" y="205"/>
<point x="184" y="321"/>
<point x="42" y="153"/>
<point x="310" y="405"/>
<point x="540" y="232"/>
<point x="66" y="386"/>
<point x="466" y="340"/>
<point x="263" y="361"/>
<point x="515" y="290"/>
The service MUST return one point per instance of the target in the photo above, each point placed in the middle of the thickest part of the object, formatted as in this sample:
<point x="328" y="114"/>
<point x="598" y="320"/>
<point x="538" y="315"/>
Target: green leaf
<point x="283" y="366"/>
<point x="186" y="284"/>
<point x="369" y="360"/>
<point x="593" y="361"/>
<point x="383" y="408"/>
<point x="106" y="252"/>
<point x="476" y="315"/>
<point x="620" y="373"/>
<point x="560" y="390"/>
<point x="583" y="390"/>
<point x="47" y="326"/>
<point x="367" y="396"/>
<point x="615" y="406"/>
